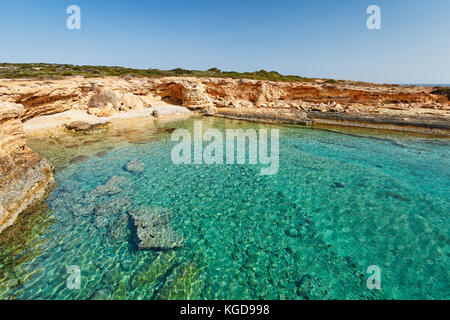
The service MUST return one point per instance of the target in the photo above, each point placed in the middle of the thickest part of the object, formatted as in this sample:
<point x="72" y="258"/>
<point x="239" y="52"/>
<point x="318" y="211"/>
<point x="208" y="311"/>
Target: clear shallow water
<point x="339" y="204"/>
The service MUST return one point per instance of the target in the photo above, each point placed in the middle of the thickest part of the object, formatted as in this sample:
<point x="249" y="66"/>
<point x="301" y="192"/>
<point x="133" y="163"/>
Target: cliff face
<point x="24" y="175"/>
<point x="106" y="96"/>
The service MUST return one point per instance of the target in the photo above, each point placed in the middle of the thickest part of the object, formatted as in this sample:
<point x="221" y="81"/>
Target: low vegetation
<point x="56" y="71"/>
<point x="442" y="91"/>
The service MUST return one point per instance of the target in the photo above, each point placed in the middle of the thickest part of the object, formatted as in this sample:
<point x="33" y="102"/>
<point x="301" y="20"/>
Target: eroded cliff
<point x="109" y="95"/>
<point x="24" y="175"/>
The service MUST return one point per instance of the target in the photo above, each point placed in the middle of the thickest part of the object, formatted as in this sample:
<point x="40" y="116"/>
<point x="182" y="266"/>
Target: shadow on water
<point x="20" y="244"/>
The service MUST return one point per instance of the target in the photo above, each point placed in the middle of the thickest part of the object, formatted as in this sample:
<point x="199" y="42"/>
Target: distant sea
<point x="426" y="85"/>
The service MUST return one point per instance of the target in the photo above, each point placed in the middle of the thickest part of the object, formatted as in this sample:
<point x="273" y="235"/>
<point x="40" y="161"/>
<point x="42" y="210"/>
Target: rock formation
<point x="107" y="212"/>
<point x="111" y="95"/>
<point x="79" y="126"/>
<point x="135" y="166"/>
<point x="25" y="177"/>
<point x="82" y="126"/>
<point x="112" y="186"/>
<point x="154" y="229"/>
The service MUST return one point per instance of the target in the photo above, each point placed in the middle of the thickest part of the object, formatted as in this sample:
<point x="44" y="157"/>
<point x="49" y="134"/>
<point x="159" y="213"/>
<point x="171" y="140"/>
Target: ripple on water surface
<point x="338" y="204"/>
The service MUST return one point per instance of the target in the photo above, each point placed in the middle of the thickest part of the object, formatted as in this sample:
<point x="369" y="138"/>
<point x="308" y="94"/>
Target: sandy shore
<point x="58" y="120"/>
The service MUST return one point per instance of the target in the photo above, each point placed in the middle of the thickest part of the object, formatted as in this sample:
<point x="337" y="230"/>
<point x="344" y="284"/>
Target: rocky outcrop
<point x="111" y="95"/>
<point x="82" y="126"/>
<point x="103" y="97"/>
<point x="106" y="212"/>
<point x="112" y="186"/>
<point x="154" y="229"/>
<point x="135" y="166"/>
<point x="291" y="116"/>
<point x="79" y="126"/>
<point x="195" y="96"/>
<point x="25" y="177"/>
<point x="130" y="101"/>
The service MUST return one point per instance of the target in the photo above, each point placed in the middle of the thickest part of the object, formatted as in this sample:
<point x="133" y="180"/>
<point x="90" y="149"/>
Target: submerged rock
<point x="113" y="207"/>
<point x="106" y="189"/>
<point x="85" y="127"/>
<point x="119" y="181"/>
<point x="102" y="294"/>
<point x="185" y="283"/>
<point x="154" y="229"/>
<point x="119" y="229"/>
<point x="149" y="274"/>
<point x="82" y="209"/>
<point x="79" y="126"/>
<point x="106" y="213"/>
<point x="310" y="288"/>
<point x="101" y="222"/>
<point x="135" y="166"/>
<point x="77" y="159"/>
<point x="111" y="187"/>
<point x="112" y="277"/>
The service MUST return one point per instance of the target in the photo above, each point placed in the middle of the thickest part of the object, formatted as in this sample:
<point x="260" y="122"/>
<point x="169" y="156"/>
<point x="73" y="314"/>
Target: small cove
<point x="339" y="203"/>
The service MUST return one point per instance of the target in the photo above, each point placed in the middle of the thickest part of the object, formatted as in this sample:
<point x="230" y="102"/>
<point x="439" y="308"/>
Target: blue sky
<point x="315" y="38"/>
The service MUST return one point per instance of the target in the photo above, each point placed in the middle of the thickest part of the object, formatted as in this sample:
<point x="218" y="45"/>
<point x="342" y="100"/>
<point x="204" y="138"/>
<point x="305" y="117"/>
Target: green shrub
<point x="442" y="91"/>
<point x="54" y="71"/>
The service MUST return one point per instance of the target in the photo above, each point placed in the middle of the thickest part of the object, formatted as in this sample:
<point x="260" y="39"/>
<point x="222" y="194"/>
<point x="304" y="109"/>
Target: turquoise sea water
<point x="341" y="202"/>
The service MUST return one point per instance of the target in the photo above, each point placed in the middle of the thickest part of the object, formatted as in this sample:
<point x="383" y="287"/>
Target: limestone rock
<point x="132" y="101"/>
<point x="106" y="189"/>
<point x="107" y="111"/>
<point x="119" y="228"/>
<point x="119" y="181"/>
<point x="154" y="229"/>
<point x="102" y="97"/>
<point x="93" y="95"/>
<point x="82" y="126"/>
<point x="113" y="207"/>
<point x="195" y="96"/>
<point x="10" y="110"/>
<point x="81" y="209"/>
<point x="112" y="186"/>
<point x="157" y="113"/>
<point x="79" y="126"/>
<point x="169" y="110"/>
<point x="25" y="177"/>
<point x="107" y="213"/>
<point x="150" y="274"/>
<point x="135" y="166"/>
<point x="209" y="112"/>
<point x="94" y="111"/>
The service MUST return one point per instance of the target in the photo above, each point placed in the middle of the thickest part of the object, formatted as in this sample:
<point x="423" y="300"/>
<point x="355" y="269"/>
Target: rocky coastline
<point x="25" y="177"/>
<point x="31" y="105"/>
